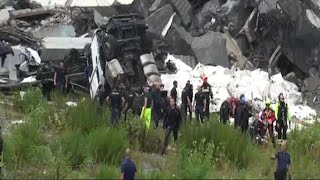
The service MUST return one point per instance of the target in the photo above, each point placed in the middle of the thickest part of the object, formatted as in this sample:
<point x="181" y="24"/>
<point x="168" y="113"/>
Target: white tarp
<point x="255" y="85"/>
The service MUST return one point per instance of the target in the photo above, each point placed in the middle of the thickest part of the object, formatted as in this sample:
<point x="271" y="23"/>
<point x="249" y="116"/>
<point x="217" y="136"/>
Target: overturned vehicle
<point x="120" y="53"/>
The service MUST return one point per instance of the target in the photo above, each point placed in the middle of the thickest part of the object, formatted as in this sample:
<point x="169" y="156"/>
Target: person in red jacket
<point x="268" y="117"/>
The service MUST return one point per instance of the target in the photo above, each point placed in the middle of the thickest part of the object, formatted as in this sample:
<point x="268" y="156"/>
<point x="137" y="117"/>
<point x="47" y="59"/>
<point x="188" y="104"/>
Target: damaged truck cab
<point x="120" y="54"/>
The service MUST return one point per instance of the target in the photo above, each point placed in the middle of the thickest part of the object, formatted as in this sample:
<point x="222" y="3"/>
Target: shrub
<point x="21" y="144"/>
<point x="84" y="117"/>
<point x="107" y="144"/>
<point x="108" y="172"/>
<point x="235" y="146"/>
<point x="155" y="175"/>
<point x="74" y="146"/>
<point x="193" y="164"/>
<point x="30" y="100"/>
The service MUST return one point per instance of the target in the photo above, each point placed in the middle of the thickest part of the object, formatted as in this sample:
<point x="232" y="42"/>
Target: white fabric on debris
<point x="29" y="79"/>
<point x="255" y="85"/>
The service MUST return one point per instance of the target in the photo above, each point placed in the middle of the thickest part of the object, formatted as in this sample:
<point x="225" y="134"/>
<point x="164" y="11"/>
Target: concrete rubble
<point x="277" y="36"/>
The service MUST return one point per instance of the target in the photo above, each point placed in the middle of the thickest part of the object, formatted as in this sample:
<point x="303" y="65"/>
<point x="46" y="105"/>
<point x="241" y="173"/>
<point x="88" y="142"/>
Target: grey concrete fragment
<point x="291" y="77"/>
<point x="141" y="6"/>
<point x="292" y="8"/>
<point x="159" y="19"/>
<point x="183" y="9"/>
<point x="30" y="12"/>
<point x="178" y="40"/>
<point x="312" y="83"/>
<point x="189" y="60"/>
<point x="56" y="31"/>
<point x="266" y="6"/>
<point x="4" y="17"/>
<point x="157" y="4"/>
<point x="210" y="49"/>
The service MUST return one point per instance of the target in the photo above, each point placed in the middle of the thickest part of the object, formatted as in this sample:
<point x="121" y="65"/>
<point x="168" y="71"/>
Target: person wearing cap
<point x="207" y="92"/>
<point x="174" y="93"/>
<point x="199" y="105"/>
<point x="283" y="117"/>
<point x="146" y="113"/>
<point x="268" y="117"/>
<point x="283" y="162"/>
<point x="117" y="103"/>
<point x="128" y="167"/>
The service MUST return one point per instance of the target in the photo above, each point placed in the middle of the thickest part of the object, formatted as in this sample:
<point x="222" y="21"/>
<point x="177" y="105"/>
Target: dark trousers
<point x="236" y="123"/>
<point x="270" y="129"/>
<point x="61" y="87"/>
<point x="207" y="112"/>
<point x="282" y="131"/>
<point x="169" y="129"/>
<point x="199" y="113"/>
<point x="184" y="111"/>
<point x="280" y="175"/>
<point x="224" y="120"/>
<point x="156" y="115"/>
<point x="190" y="112"/>
<point x="115" y="116"/>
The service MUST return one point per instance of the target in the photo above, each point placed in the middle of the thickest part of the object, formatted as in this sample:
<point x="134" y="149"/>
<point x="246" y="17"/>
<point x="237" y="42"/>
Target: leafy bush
<point x="150" y="141"/>
<point x="30" y="100"/>
<point x="155" y="175"/>
<point x="235" y="146"/>
<point x="21" y="145"/>
<point x="108" y="172"/>
<point x="74" y="146"/>
<point x="84" y="117"/>
<point x="193" y="164"/>
<point x="107" y="144"/>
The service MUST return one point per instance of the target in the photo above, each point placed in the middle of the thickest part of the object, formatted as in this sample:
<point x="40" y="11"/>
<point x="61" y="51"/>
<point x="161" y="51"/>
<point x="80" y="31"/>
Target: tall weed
<point x="107" y="144"/>
<point x="108" y="172"/>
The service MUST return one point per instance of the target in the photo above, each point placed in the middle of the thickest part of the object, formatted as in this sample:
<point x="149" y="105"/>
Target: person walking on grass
<point x="146" y="113"/>
<point x="171" y="123"/>
<point x="283" y="117"/>
<point x="199" y="105"/>
<point x="283" y="163"/>
<point x="128" y="168"/>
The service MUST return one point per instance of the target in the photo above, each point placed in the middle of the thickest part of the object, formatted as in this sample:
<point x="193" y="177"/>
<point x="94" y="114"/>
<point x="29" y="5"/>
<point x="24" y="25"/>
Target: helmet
<point x="268" y="102"/>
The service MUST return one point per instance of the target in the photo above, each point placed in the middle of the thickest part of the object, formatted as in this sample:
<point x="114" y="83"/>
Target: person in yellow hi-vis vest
<point x="146" y="109"/>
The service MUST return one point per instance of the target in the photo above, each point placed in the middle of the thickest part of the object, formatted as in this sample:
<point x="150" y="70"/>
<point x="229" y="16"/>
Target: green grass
<point x="58" y="142"/>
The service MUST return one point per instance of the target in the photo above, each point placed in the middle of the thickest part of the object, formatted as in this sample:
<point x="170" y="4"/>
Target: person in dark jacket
<point x="128" y="168"/>
<point x="225" y="111"/>
<point x="199" y="105"/>
<point x="174" y="93"/>
<point x="117" y="102"/>
<point x="282" y="118"/>
<point x="207" y="92"/>
<point x="284" y="163"/>
<point x="100" y="97"/>
<point x="156" y="105"/>
<point x="185" y="103"/>
<point x="171" y="123"/>
<point x="190" y="94"/>
<point x="237" y="112"/>
<point x="245" y="115"/>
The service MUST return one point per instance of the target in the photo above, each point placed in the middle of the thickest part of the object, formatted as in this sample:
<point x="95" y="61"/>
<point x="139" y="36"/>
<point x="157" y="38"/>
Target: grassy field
<point x="61" y="142"/>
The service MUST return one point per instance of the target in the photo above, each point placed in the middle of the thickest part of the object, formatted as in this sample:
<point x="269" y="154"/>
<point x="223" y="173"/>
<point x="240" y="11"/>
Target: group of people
<point x="266" y="121"/>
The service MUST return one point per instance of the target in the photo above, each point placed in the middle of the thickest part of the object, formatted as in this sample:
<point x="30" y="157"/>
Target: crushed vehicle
<point x="120" y="53"/>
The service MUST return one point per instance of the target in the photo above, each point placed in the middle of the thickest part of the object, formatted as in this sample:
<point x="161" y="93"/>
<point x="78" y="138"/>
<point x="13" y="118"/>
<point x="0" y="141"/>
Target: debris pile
<point x="277" y="36"/>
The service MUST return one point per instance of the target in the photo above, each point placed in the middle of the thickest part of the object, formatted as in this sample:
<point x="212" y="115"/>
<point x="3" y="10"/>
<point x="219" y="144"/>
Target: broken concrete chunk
<point x="291" y="77"/>
<point x="266" y="6"/>
<point x="4" y="17"/>
<point x="30" y="12"/>
<point x="312" y="83"/>
<point x="178" y="41"/>
<point x="183" y="8"/>
<point x="210" y="49"/>
<point x="159" y="19"/>
<point x="313" y="18"/>
<point x="141" y="6"/>
<point x="56" y="31"/>
<point x="250" y="25"/>
<point x="292" y="8"/>
<point x="188" y="60"/>
<point x="157" y="4"/>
